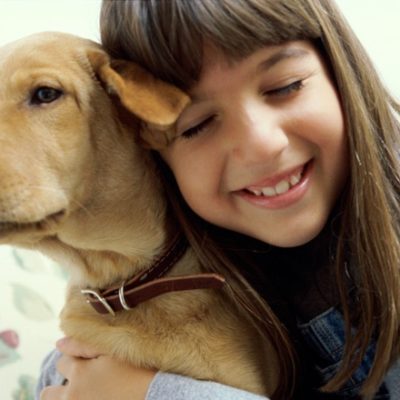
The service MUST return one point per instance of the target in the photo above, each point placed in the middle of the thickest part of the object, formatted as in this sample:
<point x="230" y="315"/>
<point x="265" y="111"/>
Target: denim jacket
<point x="324" y="336"/>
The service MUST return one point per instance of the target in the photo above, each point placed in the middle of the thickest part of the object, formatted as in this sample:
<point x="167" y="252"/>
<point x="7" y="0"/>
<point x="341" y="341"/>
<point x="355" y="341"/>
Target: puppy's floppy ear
<point x="156" y="103"/>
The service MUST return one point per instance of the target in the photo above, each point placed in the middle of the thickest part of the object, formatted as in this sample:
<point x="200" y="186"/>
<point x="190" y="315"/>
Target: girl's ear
<point x="156" y="103"/>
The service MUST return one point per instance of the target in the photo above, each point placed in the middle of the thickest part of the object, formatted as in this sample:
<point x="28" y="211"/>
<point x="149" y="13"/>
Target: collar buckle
<point x="102" y="300"/>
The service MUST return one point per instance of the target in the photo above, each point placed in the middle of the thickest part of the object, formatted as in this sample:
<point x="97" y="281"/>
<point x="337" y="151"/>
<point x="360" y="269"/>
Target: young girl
<point x="284" y="175"/>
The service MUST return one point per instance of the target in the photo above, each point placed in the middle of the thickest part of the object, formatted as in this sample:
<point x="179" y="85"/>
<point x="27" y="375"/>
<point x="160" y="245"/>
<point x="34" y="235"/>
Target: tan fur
<point x="76" y="185"/>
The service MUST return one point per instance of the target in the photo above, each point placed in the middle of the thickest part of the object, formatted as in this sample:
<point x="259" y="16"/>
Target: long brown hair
<point x="167" y="37"/>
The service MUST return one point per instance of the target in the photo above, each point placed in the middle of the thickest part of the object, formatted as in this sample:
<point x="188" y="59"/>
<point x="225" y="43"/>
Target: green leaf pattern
<point x="31" y="296"/>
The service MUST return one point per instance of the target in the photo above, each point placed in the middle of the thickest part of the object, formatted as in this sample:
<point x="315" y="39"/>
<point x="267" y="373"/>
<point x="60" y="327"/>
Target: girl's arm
<point x="101" y="377"/>
<point x="176" y="387"/>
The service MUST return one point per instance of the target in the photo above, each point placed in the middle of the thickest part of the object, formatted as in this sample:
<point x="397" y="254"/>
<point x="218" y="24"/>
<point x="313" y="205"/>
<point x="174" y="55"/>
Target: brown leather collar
<point x="150" y="283"/>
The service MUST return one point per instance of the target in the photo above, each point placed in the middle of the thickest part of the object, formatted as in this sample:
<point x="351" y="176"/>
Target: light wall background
<point x="22" y="17"/>
<point x="32" y="287"/>
<point x="376" y="23"/>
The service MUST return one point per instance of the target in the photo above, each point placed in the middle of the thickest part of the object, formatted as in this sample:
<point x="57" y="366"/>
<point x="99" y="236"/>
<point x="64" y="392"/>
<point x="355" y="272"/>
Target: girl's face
<point x="261" y="149"/>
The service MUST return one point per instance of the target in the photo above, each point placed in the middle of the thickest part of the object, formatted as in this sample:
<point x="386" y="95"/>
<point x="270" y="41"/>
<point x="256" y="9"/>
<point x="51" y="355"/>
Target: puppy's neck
<point x="111" y="263"/>
<point x="115" y="235"/>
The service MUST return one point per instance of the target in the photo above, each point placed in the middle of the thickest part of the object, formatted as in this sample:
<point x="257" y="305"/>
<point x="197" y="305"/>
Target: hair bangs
<point x="167" y="37"/>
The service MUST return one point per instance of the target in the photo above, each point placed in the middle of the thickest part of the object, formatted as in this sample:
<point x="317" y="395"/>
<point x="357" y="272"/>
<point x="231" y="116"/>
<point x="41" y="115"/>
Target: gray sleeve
<point x="167" y="386"/>
<point x="48" y="373"/>
<point x="164" y="386"/>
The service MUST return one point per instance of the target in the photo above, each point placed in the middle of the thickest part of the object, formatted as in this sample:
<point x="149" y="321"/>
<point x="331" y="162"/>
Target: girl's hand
<point x="91" y="375"/>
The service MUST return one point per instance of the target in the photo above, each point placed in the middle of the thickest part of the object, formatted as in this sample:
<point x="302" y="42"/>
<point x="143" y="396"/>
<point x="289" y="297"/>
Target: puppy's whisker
<point x="73" y="201"/>
<point x="83" y="208"/>
<point x="47" y="188"/>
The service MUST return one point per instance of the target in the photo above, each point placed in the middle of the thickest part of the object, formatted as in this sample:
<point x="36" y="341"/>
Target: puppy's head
<point x="57" y="128"/>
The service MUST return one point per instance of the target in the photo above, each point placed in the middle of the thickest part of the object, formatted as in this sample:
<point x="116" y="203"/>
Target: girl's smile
<point x="280" y="191"/>
<point x="261" y="149"/>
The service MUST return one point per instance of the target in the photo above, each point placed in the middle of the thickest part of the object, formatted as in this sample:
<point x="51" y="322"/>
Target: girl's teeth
<point x="295" y="179"/>
<point x="282" y="187"/>
<point x="269" y="191"/>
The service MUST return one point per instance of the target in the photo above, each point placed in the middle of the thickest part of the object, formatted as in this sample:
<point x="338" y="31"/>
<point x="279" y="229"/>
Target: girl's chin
<point x="290" y="237"/>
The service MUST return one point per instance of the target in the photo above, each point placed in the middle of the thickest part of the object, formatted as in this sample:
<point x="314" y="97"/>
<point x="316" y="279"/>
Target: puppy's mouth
<point x="43" y="225"/>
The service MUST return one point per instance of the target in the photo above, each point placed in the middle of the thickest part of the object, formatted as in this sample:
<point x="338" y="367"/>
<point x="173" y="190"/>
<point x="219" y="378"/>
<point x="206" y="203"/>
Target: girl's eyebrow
<point x="288" y="52"/>
<point x="280" y="55"/>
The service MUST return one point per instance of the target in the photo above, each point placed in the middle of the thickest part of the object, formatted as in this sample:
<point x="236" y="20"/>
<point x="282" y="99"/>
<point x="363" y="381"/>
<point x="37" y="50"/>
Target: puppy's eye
<point x="45" y="94"/>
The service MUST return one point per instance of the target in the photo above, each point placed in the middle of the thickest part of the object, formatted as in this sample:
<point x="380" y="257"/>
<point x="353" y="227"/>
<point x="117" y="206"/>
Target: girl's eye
<point x="286" y="90"/>
<point x="197" y="129"/>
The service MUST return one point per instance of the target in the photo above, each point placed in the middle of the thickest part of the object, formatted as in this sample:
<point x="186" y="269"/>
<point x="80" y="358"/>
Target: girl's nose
<point x="257" y="134"/>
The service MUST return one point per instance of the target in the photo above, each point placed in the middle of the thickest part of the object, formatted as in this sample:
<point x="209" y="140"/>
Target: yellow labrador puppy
<point x="76" y="185"/>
